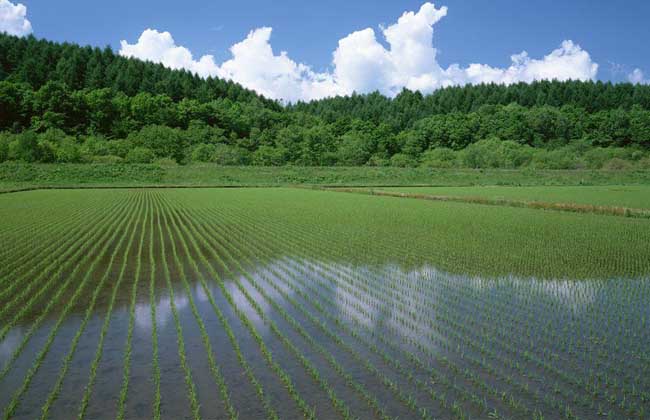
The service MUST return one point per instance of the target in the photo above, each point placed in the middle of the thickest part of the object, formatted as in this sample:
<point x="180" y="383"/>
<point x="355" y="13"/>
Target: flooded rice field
<point x="193" y="304"/>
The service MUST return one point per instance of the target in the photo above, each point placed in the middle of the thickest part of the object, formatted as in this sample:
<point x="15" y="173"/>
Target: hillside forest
<point x="66" y="103"/>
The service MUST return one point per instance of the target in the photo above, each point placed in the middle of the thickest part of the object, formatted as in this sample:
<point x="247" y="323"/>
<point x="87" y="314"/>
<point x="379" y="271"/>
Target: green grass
<point x="16" y="176"/>
<point x="632" y="196"/>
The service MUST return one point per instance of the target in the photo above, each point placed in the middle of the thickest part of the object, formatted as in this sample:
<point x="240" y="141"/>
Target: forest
<point x="65" y="103"/>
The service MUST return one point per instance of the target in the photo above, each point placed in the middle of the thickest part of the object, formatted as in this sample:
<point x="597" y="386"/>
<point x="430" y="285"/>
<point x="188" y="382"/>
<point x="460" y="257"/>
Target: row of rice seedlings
<point x="405" y="398"/>
<point x="230" y="226"/>
<point x="259" y="389"/>
<point x="472" y="378"/>
<point x="35" y="244"/>
<point x="525" y="354"/>
<point x="28" y="223"/>
<point x="370" y="399"/>
<point x="389" y="290"/>
<point x="528" y="317"/>
<point x="340" y="324"/>
<point x="54" y="393"/>
<point x="154" y="328"/>
<point x="189" y="382"/>
<point x="307" y="411"/>
<point x="15" y="401"/>
<point x="337" y="403"/>
<point x="572" y="360"/>
<point x="126" y="369"/>
<point x="408" y="400"/>
<point x="214" y="367"/>
<point x="107" y="318"/>
<point x="60" y="261"/>
<point x="309" y="297"/>
<point x="583" y="241"/>
<point x="104" y="228"/>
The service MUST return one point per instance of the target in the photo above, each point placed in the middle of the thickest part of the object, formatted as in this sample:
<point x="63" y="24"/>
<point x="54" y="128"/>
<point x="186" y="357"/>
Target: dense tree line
<point x="402" y="111"/>
<point x="66" y="103"/>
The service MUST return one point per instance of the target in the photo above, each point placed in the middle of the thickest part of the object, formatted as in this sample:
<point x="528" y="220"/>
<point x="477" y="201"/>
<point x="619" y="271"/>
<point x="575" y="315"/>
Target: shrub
<point x="48" y="151"/>
<point x="68" y="152"/>
<point x="96" y="146"/>
<point x="441" y="157"/>
<point x="4" y="146"/>
<point x="402" y="160"/>
<point x="140" y="155"/>
<point x="554" y="159"/>
<point x="230" y="155"/>
<point x="165" y="162"/>
<point x="378" y="160"/>
<point x="25" y="147"/>
<point x="118" y="148"/>
<point x="597" y="157"/>
<point x="106" y="159"/>
<point x="617" y="164"/>
<point x="161" y="140"/>
<point x="203" y="153"/>
<point x="495" y="153"/>
<point x="269" y="156"/>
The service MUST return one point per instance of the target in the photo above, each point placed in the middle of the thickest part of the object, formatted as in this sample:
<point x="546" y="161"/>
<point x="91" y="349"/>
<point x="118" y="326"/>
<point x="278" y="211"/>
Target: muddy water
<point x="547" y="344"/>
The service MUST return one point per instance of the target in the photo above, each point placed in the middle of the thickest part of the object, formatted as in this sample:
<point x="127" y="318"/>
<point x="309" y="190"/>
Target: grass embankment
<point x="626" y="201"/>
<point x="17" y="176"/>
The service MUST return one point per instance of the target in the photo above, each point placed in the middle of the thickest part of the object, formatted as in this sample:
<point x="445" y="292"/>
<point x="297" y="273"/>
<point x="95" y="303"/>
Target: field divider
<point x="15" y="401"/>
<point x="538" y="205"/>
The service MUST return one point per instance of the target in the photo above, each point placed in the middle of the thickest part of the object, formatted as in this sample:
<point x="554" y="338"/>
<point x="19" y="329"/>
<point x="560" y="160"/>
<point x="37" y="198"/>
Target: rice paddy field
<point x="294" y="303"/>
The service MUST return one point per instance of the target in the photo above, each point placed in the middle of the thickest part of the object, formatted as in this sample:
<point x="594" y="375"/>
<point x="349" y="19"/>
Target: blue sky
<point x="614" y="34"/>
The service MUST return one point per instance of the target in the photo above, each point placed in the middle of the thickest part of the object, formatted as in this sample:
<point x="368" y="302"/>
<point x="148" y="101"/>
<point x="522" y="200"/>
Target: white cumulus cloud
<point x="361" y="63"/>
<point x="13" y="19"/>
<point x="160" y="47"/>
<point x="637" y="77"/>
